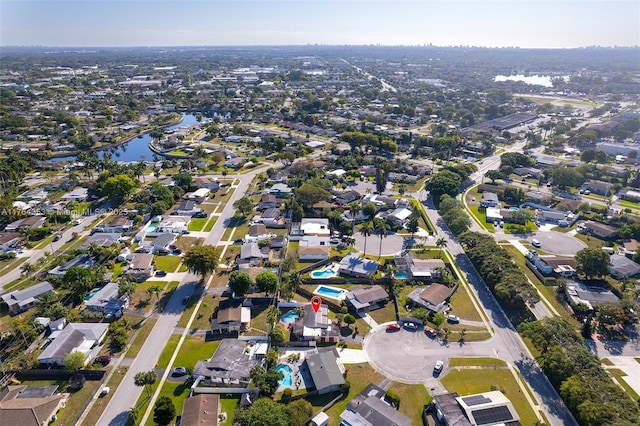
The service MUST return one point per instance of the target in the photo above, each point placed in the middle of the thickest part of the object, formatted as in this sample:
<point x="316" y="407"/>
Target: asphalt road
<point x="116" y="412"/>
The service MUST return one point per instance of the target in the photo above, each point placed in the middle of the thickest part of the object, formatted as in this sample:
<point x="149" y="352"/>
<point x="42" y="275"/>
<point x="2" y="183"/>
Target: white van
<point x="609" y="250"/>
<point x="535" y="243"/>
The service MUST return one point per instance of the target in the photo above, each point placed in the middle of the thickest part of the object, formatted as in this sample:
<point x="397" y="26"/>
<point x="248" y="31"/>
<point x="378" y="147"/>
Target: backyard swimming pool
<point x="289" y="317"/>
<point x="326" y="272"/>
<point x="401" y="276"/>
<point x="286" y="381"/>
<point x="330" y="292"/>
<point x="152" y="227"/>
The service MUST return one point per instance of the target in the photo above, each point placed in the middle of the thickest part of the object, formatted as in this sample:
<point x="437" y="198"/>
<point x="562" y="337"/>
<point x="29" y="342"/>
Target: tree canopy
<point x="164" y="411"/>
<point x="240" y="282"/>
<point x="244" y="205"/>
<point x="442" y="183"/>
<point x="74" y="361"/>
<point x="267" y="281"/>
<point x="263" y="412"/>
<point x="593" y="262"/>
<point x="201" y="260"/>
<point x="118" y="188"/>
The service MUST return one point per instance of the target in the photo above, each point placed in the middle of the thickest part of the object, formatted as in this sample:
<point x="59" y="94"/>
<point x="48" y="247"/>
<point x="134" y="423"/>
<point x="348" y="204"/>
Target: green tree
<point x="566" y="176"/>
<point x="145" y="379"/>
<point x="299" y="412"/>
<point x="369" y="210"/>
<point x="382" y="230"/>
<point x="267" y="281"/>
<point x="118" y="188"/>
<point x="240" y="282"/>
<point x="74" y="361"/>
<point x="264" y="412"/>
<point x="366" y="229"/>
<point x="277" y="335"/>
<point x="443" y="182"/>
<point x="164" y="411"/>
<point x="349" y="320"/>
<point x="244" y="205"/>
<point x="441" y="243"/>
<point x="79" y="281"/>
<point x="201" y="260"/>
<point x="308" y="194"/>
<point x="593" y="262"/>
<point x="438" y="319"/>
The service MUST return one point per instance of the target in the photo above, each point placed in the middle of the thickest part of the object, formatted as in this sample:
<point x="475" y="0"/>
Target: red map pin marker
<point x="315" y="303"/>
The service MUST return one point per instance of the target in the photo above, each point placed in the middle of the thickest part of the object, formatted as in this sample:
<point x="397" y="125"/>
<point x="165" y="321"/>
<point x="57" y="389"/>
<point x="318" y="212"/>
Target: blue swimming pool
<point x="287" y="380"/>
<point x="330" y="292"/>
<point x="151" y="227"/>
<point x="289" y="317"/>
<point x="90" y="295"/>
<point x="401" y="276"/>
<point x="514" y="209"/>
<point x="326" y="272"/>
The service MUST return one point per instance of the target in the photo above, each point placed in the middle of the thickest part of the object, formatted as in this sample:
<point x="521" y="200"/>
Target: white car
<point x="453" y="319"/>
<point x="438" y="366"/>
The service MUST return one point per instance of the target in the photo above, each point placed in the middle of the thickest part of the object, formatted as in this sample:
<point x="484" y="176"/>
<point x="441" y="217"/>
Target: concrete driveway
<point x="551" y="241"/>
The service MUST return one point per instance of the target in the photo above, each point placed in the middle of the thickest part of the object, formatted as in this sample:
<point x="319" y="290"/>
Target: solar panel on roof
<point x="475" y="400"/>
<point x="492" y="415"/>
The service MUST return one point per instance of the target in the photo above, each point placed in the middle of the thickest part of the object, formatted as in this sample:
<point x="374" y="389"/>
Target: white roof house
<point x="76" y="337"/>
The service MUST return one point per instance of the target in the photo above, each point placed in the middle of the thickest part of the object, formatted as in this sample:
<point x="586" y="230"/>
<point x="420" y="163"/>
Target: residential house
<point x="140" y="266"/>
<point x="420" y="269"/>
<point x="75" y="337"/>
<point x="560" y="218"/>
<point x="258" y="231"/>
<point x="251" y="255"/>
<point x="9" y="241"/>
<point x="230" y="365"/>
<point x="315" y="326"/>
<point x="621" y="266"/>
<point x="313" y="252"/>
<point x="280" y="190"/>
<point x="210" y="184"/>
<point x="629" y="247"/>
<point x="119" y="224"/>
<point x="365" y="299"/>
<point x="370" y="408"/>
<point x="22" y="405"/>
<point x="280" y="241"/>
<point x="400" y="215"/>
<point x="355" y="266"/>
<point x="201" y="410"/>
<point x="435" y="297"/>
<point x="577" y="293"/>
<point x="488" y="408"/>
<point x="564" y="266"/>
<point x="162" y="242"/>
<point x="489" y="199"/>
<point x="187" y="208"/>
<point x="346" y="197"/>
<point x="78" y="194"/>
<point x="33" y="195"/>
<point x="21" y="300"/>
<point x="102" y="239"/>
<point x="107" y="301"/>
<point x="596" y="187"/>
<point x="271" y="218"/>
<point x="234" y="316"/>
<point x="326" y="370"/>
<point x="81" y="261"/>
<point x="448" y="411"/>
<point x="172" y="225"/>
<point x="58" y="184"/>
<point x="235" y="163"/>
<point x="199" y="195"/>
<point x="402" y="178"/>
<point x="314" y="232"/>
<point x="597" y="229"/>
<point x="527" y="172"/>
<point x="630" y="195"/>
<point x="269" y="201"/>
<point x="29" y="222"/>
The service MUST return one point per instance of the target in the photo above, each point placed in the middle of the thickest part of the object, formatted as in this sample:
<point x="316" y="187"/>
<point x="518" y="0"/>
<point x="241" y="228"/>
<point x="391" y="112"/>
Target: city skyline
<point x="513" y="23"/>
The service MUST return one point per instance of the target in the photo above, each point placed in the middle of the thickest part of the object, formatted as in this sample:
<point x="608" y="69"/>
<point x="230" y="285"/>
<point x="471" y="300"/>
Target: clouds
<point x="564" y="23"/>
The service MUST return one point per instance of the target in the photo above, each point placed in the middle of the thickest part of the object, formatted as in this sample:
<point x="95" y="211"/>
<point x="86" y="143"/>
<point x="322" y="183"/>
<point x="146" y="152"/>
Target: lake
<point x="136" y="148"/>
<point x="538" y="80"/>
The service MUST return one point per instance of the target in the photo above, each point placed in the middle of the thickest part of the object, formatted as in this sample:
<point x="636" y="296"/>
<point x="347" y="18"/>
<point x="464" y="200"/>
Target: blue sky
<point x="523" y="23"/>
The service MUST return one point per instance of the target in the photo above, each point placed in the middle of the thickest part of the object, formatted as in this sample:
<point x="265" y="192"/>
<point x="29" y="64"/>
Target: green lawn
<point x="359" y="376"/>
<point x="101" y="403"/>
<point x="196" y="224"/>
<point x="591" y="241"/>
<point x="629" y="204"/>
<point x="167" y="352"/>
<point x="141" y="337"/>
<point x="462" y="305"/>
<point x="201" y="321"/>
<point x="413" y="398"/>
<point x="177" y="392"/>
<point x="386" y="314"/>
<point x="228" y="404"/>
<point x="167" y="263"/>
<point x="482" y="362"/>
<point x="479" y="214"/>
<point x="472" y="381"/>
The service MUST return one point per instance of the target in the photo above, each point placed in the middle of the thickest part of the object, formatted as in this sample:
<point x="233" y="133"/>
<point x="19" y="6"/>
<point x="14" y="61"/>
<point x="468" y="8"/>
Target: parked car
<point x="161" y="273"/>
<point x="102" y="359"/>
<point x="200" y="215"/>
<point x="536" y="243"/>
<point x="410" y="326"/>
<point x="179" y="371"/>
<point x="57" y="237"/>
<point x="453" y="319"/>
<point x="438" y="367"/>
<point x="430" y="332"/>
<point x="105" y="391"/>
<point x="238" y="241"/>
<point x="393" y="327"/>
<point x="185" y="232"/>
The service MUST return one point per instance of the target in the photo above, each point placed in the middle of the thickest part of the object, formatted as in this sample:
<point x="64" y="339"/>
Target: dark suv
<point x="102" y="359"/>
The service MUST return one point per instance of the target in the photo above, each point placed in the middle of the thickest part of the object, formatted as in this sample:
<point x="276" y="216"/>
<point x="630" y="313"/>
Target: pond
<point x="538" y="80"/>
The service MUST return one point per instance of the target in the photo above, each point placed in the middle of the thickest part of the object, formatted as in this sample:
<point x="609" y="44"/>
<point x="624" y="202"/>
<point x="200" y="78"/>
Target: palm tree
<point x="441" y="243"/>
<point x="366" y="230"/>
<point x="26" y="268"/>
<point x="354" y="210"/>
<point x="382" y="230"/>
<point x="350" y="242"/>
<point x="295" y="279"/>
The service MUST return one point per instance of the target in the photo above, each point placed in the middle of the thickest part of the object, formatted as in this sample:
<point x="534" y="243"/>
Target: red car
<point x="430" y="332"/>
<point x="103" y="359"/>
<point x="393" y="327"/>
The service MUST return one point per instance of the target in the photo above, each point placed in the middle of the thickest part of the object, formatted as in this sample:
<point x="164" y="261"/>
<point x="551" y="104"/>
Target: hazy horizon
<point x="525" y="24"/>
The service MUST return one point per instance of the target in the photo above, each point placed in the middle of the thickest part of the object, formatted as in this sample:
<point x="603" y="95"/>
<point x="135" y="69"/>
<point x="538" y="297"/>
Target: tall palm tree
<point x="366" y="229"/>
<point x="441" y="243"/>
<point x="354" y="210"/>
<point x="382" y="230"/>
